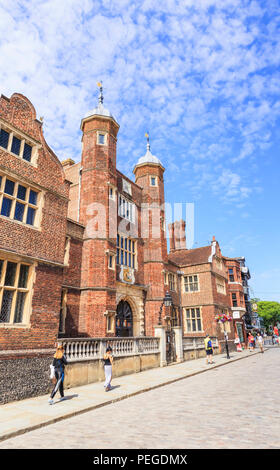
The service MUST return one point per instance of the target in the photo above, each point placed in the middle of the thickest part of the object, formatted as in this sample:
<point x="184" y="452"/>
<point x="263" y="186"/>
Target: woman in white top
<point x="260" y="341"/>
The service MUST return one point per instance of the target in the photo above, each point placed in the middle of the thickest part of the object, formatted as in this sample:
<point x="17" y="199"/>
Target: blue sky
<point x="202" y="76"/>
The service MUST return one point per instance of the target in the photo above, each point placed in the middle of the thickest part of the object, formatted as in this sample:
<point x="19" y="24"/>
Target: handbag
<point x="52" y="374"/>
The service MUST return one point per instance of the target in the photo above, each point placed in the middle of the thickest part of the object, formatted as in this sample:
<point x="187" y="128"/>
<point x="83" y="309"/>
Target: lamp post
<point x="226" y="341"/>
<point x="222" y="318"/>
<point x="167" y="302"/>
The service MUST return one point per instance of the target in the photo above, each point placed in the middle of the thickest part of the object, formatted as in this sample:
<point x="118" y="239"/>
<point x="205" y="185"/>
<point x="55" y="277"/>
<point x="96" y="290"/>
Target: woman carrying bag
<point x="59" y="362"/>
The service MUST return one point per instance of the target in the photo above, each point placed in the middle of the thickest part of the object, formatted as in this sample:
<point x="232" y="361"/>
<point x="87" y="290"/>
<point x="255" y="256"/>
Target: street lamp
<point x="226" y="340"/>
<point x="222" y="318"/>
<point x="167" y="302"/>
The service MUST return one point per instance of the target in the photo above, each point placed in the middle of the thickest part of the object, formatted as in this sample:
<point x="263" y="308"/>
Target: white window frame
<point x="126" y="209"/>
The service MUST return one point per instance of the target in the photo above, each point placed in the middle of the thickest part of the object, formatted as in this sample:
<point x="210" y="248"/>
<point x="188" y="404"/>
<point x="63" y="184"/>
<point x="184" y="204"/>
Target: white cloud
<point x="201" y="75"/>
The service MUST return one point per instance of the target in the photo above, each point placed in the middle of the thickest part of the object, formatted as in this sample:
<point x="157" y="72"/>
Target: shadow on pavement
<point x="69" y="397"/>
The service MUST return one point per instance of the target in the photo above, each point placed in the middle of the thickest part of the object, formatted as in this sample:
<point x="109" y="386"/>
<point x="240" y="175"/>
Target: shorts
<point x="209" y="352"/>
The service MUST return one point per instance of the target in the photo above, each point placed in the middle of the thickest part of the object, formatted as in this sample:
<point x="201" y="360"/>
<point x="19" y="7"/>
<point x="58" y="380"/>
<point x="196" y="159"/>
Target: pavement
<point x="26" y="415"/>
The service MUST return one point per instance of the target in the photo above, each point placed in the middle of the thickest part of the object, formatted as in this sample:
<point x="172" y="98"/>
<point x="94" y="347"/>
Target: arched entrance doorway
<point x="124" y="322"/>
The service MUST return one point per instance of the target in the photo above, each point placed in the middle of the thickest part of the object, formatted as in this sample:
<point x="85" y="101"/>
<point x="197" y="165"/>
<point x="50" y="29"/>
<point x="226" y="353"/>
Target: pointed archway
<point x="124" y="320"/>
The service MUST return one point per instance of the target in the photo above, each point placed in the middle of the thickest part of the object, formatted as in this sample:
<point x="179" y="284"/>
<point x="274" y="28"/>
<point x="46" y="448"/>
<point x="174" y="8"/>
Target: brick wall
<point x="43" y="246"/>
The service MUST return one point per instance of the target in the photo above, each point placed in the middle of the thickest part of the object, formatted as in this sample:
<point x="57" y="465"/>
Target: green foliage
<point x="269" y="311"/>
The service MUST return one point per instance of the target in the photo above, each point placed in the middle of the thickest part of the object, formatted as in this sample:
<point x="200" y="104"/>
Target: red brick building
<point x="83" y="249"/>
<point x="204" y="290"/>
<point x="33" y="226"/>
<point x="238" y="274"/>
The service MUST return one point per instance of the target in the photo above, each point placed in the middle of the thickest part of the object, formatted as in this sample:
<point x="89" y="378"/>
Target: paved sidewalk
<point x="25" y="415"/>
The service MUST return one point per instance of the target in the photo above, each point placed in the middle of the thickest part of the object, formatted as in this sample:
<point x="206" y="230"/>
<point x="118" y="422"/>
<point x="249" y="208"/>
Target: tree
<point x="269" y="311"/>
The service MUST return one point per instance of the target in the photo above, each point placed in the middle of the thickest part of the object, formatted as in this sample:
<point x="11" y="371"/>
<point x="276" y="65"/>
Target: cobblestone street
<point x="234" y="406"/>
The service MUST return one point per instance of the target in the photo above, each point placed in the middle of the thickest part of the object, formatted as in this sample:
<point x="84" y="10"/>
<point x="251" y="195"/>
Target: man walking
<point x="208" y="349"/>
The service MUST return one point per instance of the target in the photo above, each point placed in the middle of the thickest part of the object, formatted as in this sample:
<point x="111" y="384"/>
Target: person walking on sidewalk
<point x="59" y="362"/>
<point x="260" y="341"/>
<point x="108" y="362"/>
<point x="251" y="342"/>
<point x="208" y="349"/>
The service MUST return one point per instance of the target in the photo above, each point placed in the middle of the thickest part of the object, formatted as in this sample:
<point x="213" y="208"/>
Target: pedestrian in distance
<point x="59" y="362"/>
<point x="276" y="335"/>
<point x="251" y="342"/>
<point x="260" y="342"/>
<point x="208" y="349"/>
<point x="108" y="362"/>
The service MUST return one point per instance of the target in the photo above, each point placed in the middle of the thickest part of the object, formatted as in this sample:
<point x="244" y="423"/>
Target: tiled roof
<point x="190" y="257"/>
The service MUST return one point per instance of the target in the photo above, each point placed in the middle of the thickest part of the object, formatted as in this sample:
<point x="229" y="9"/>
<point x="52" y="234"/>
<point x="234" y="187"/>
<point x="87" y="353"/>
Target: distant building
<point x="238" y="276"/>
<point x="204" y="290"/>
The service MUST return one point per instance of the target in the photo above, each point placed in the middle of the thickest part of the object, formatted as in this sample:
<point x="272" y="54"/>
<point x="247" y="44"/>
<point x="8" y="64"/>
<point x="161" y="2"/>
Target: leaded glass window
<point x="193" y="320"/>
<point x="18" y="202"/>
<point x="14" y="291"/>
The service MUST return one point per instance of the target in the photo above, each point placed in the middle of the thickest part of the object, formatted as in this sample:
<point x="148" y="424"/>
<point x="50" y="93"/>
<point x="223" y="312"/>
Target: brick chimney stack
<point x="177" y="235"/>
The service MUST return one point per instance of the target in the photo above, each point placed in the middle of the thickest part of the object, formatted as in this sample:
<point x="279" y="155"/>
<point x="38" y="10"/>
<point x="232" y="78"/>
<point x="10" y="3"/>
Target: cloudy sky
<point x="202" y="76"/>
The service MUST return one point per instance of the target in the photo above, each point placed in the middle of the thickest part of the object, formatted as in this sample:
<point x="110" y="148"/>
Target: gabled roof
<point x="190" y="257"/>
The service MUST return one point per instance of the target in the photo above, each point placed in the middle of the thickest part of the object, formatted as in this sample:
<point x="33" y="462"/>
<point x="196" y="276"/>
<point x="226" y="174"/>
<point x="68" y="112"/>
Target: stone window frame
<point x="221" y="287"/>
<point x="189" y="283"/>
<point x="219" y="264"/>
<point x="111" y="255"/>
<point x="110" y="321"/>
<point x="112" y="192"/>
<point x="63" y="311"/>
<point x="15" y="199"/>
<point x="172" y="282"/>
<point x="26" y="313"/>
<point x="156" y="181"/>
<point x="126" y="209"/>
<point x="126" y="186"/>
<point x="67" y="250"/>
<point x="103" y="133"/>
<point x="126" y="250"/>
<point x="190" y="319"/>
<point x="13" y="132"/>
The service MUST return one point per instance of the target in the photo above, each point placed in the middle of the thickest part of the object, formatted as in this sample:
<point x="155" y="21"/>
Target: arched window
<point x="124" y="324"/>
